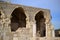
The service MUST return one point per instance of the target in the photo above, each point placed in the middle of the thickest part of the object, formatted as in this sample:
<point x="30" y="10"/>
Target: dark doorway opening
<point x="40" y="24"/>
<point x="57" y="32"/>
<point x="18" y="19"/>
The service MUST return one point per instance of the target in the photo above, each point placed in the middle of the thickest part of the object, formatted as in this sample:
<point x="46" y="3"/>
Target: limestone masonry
<point x="18" y="22"/>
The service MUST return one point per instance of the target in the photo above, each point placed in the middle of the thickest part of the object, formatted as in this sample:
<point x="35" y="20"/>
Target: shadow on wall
<point x="18" y="19"/>
<point x="40" y="24"/>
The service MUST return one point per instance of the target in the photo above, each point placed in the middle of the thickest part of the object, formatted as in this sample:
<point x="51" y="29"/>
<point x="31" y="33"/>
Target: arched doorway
<point x="40" y="24"/>
<point x="18" y="19"/>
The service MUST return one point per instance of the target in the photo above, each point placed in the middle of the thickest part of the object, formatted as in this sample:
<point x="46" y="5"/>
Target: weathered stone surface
<point x="28" y="32"/>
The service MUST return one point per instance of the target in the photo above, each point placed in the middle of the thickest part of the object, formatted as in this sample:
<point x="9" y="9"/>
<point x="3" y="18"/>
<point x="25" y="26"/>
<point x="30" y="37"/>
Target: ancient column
<point x="49" y="30"/>
<point x="27" y="23"/>
<point x="1" y="29"/>
<point x="7" y="35"/>
<point x="34" y="29"/>
<point x="2" y="16"/>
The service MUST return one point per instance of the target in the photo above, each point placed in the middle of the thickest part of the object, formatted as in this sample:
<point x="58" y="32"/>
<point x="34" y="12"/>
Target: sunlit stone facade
<point x="19" y="22"/>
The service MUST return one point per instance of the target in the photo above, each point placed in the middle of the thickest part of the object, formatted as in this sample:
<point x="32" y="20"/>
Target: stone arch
<point x="40" y="24"/>
<point x="18" y="19"/>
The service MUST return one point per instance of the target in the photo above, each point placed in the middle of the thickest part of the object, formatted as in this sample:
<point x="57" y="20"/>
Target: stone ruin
<point x="19" y="22"/>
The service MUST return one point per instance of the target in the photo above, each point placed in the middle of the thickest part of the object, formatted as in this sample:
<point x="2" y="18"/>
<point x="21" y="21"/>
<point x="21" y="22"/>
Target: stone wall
<point x="28" y="33"/>
<point x="22" y="34"/>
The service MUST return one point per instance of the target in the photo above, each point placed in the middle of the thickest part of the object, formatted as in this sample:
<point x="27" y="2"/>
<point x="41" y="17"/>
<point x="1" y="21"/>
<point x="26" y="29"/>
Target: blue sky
<point x="53" y="5"/>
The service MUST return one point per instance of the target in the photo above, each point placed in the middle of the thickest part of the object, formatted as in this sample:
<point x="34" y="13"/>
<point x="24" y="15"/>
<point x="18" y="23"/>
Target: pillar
<point x="49" y="30"/>
<point x="34" y="29"/>
<point x="7" y="35"/>
<point x="27" y="23"/>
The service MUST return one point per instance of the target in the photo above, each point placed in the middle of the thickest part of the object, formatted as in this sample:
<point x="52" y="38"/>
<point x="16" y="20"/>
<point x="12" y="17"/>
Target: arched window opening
<point x="40" y="24"/>
<point x="18" y="19"/>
